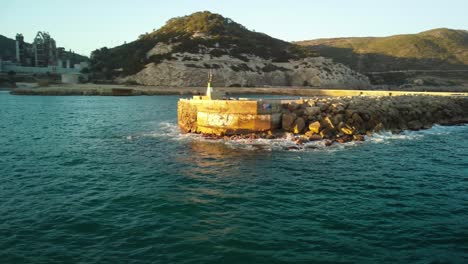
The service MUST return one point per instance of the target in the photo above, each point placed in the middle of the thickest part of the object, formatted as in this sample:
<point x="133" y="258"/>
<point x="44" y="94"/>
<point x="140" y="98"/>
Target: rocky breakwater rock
<point x="343" y="119"/>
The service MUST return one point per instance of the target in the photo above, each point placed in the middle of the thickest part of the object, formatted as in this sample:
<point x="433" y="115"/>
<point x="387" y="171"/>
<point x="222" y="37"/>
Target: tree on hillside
<point x="100" y="59"/>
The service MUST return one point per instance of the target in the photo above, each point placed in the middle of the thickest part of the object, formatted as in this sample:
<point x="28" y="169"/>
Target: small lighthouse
<point x="209" y="90"/>
<point x="211" y="94"/>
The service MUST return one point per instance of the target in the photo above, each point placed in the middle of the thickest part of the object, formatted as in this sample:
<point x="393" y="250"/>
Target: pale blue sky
<point x="84" y="25"/>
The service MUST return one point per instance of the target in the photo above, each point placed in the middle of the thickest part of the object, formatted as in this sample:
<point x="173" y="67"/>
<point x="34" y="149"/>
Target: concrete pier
<point x="229" y="117"/>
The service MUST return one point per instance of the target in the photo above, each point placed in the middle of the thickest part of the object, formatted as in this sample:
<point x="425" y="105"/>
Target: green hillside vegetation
<point x="7" y="48"/>
<point x="442" y="49"/>
<point x="196" y="33"/>
<point x="75" y="57"/>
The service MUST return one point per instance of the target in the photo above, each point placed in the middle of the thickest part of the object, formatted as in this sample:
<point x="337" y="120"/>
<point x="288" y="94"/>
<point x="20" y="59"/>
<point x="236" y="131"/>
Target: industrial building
<point x="42" y="56"/>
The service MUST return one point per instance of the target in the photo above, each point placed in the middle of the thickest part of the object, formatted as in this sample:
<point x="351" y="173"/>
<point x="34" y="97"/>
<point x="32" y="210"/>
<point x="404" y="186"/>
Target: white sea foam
<point x="170" y="131"/>
<point x="443" y="130"/>
<point x="386" y="137"/>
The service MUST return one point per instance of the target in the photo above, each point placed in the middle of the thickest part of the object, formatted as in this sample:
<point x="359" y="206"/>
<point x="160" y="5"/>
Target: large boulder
<point x="314" y="127"/>
<point x="288" y="121"/>
<point x="328" y="133"/>
<point x="327" y="123"/>
<point x="299" y="125"/>
<point x="312" y="111"/>
<point x="347" y="130"/>
<point x="337" y="119"/>
<point x="415" y="125"/>
<point x="357" y="119"/>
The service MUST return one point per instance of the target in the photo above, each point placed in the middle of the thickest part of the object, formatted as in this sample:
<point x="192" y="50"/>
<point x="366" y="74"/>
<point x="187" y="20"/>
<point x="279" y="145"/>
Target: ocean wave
<point x="386" y="136"/>
<point x="166" y="130"/>
<point x="170" y="131"/>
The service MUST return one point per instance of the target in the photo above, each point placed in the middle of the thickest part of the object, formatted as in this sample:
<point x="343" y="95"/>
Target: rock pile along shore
<point x="343" y="119"/>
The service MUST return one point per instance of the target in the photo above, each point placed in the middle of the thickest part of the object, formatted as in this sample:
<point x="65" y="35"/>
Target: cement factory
<point x="42" y="56"/>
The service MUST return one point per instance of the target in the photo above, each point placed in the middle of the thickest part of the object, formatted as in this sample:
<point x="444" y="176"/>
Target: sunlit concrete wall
<point x="228" y="117"/>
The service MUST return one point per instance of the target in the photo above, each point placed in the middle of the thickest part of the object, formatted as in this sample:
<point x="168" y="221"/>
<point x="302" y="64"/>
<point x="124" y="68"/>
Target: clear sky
<point x="85" y="25"/>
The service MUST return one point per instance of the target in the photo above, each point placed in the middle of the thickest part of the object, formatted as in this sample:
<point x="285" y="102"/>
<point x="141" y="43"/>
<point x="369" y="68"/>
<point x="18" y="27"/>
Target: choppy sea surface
<point x="111" y="180"/>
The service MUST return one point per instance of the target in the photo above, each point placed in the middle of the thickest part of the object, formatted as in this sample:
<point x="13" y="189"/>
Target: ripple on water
<point x="112" y="180"/>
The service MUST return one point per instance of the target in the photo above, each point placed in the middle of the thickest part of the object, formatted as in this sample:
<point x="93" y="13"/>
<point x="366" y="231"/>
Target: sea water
<point x="111" y="180"/>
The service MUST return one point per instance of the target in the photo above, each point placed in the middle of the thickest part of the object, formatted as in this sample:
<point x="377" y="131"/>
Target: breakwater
<point x="107" y="90"/>
<point x="335" y="119"/>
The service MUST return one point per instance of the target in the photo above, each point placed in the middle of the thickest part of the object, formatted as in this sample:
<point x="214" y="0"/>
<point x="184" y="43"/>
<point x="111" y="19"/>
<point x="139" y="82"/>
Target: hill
<point x="437" y="49"/>
<point x="185" y="48"/>
<point x="437" y="57"/>
<point x="213" y="33"/>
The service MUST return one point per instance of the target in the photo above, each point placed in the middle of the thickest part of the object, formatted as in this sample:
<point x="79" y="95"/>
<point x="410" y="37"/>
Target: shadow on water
<point x="209" y="159"/>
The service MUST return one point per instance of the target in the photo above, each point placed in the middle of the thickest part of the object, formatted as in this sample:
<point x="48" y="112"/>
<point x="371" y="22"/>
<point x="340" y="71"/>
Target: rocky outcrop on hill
<point x="191" y="70"/>
<point x="185" y="49"/>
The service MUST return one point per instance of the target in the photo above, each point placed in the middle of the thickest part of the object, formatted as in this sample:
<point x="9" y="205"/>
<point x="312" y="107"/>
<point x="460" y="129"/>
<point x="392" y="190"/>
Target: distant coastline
<point x="110" y="90"/>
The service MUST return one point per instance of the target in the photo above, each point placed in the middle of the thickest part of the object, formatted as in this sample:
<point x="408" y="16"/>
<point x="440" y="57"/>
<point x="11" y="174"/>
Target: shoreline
<point x="123" y="90"/>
